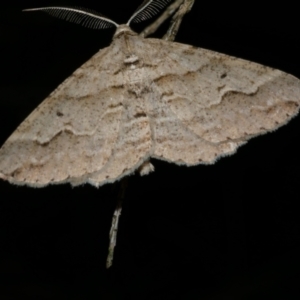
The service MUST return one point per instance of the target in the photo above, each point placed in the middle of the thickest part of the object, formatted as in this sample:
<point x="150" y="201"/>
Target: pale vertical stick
<point x="165" y="15"/>
<point x="115" y="221"/>
<point x="177" y="19"/>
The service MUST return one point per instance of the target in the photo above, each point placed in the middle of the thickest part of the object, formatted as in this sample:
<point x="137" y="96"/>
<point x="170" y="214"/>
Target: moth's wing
<point x="211" y="103"/>
<point x="78" y="130"/>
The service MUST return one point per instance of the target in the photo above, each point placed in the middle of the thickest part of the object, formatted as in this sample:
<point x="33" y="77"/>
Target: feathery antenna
<point x="147" y="9"/>
<point x="83" y="16"/>
<point x="93" y="19"/>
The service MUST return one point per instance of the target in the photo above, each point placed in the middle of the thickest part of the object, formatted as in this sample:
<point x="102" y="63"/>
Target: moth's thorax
<point x="124" y="29"/>
<point x="126" y="39"/>
<point x="134" y="73"/>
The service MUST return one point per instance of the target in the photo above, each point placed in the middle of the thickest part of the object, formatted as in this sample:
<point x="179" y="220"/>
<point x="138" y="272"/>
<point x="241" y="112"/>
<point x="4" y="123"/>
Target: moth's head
<point x="123" y="29"/>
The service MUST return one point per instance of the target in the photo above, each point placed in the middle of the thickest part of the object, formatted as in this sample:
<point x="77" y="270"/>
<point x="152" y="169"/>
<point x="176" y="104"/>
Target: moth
<point x="143" y="98"/>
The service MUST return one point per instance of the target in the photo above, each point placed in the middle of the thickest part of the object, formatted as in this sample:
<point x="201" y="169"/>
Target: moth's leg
<point x="115" y="221"/>
<point x="169" y="11"/>
<point x="177" y="19"/>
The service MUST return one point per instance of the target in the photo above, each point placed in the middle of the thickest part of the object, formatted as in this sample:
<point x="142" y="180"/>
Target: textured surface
<point x="142" y="98"/>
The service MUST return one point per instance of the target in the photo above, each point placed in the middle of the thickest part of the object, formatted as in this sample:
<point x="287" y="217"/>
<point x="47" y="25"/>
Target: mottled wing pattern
<point x="142" y="98"/>
<point x="81" y="128"/>
<point x="211" y="103"/>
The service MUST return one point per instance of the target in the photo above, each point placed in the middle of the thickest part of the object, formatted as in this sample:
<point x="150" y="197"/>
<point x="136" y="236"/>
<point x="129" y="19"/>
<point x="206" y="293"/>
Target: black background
<point x="227" y="231"/>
